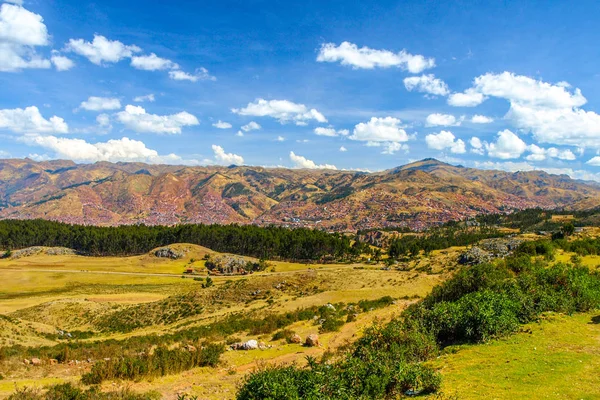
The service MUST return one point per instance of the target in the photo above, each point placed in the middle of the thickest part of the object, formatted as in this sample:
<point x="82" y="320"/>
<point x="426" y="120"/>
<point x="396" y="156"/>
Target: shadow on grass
<point x="595" y="320"/>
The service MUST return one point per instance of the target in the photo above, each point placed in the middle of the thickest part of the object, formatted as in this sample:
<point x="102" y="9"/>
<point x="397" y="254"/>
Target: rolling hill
<point x="417" y="195"/>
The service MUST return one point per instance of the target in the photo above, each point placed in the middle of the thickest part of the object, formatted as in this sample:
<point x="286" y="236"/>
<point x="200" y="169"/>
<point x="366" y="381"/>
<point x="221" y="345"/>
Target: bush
<point x="162" y="362"/>
<point x="479" y="303"/>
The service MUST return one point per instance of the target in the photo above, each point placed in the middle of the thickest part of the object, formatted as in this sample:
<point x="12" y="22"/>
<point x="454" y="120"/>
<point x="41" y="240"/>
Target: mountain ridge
<point x="417" y="195"/>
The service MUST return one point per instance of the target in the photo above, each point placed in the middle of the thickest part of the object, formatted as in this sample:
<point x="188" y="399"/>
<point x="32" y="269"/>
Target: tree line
<point x="439" y="238"/>
<point x="260" y="242"/>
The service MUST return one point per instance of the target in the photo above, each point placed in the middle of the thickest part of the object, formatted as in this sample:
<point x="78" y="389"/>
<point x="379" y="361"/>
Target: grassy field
<point x="45" y="293"/>
<point x="557" y="358"/>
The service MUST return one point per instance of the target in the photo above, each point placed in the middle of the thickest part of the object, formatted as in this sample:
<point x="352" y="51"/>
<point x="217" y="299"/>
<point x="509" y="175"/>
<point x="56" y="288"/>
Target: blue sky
<point x="511" y="85"/>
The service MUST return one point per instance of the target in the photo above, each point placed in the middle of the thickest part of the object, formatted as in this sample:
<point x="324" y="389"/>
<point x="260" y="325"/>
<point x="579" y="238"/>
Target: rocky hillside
<point x="415" y="195"/>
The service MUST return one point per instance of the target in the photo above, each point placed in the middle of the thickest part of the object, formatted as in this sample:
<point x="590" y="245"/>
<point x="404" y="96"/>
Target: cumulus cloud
<point x="94" y="103"/>
<point x="201" y="74"/>
<point x="113" y="150"/>
<point x="149" y="97"/>
<point x="251" y="126"/>
<point x="540" y="154"/>
<point x="103" y="120"/>
<point x="343" y="149"/>
<point x="331" y="132"/>
<point x="507" y="145"/>
<point x="366" y="58"/>
<point x="152" y="62"/>
<point x="61" y="63"/>
<point x="102" y="50"/>
<point x="445" y="140"/>
<point x="426" y="84"/>
<point x="137" y="119"/>
<point x="303" y="162"/>
<point x="595" y="161"/>
<point x="527" y="91"/>
<point x="392" y="147"/>
<point x="282" y="110"/>
<point x="477" y="145"/>
<point x="222" y="125"/>
<point x="388" y="129"/>
<point x="226" y="158"/>
<point x="481" y="119"/>
<point x="20" y="32"/>
<point x="442" y="120"/>
<point x="524" y="166"/>
<point x="31" y="120"/>
<point x="469" y="98"/>
<point x="280" y="139"/>
<point x="551" y="112"/>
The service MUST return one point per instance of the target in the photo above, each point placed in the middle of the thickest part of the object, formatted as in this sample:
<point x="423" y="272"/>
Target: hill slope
<point x="416" y="195"/>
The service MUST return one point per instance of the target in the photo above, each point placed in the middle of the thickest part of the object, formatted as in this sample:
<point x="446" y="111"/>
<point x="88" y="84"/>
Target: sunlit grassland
<point x="557" y="358"/>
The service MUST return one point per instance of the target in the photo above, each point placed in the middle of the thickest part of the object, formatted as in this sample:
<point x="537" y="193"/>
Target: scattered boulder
<point x="53" y="361"/>
<point x="27" y="362"/>
<point x="475" y="255"/>
<point x="249" y="345"/>
<point x="36" y="362"/>
<point x="296" y="339"/>
<point x="488" y="249"/>
<point x="168" y="252"/>
<point x="312" y="340"/>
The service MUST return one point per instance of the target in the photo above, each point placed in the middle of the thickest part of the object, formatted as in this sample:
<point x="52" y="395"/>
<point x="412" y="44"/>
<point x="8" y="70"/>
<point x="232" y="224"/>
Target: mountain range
<point x="416" y="195"/>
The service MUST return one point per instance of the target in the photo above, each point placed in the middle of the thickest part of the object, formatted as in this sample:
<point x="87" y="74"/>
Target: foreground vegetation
<point x="480" y="303"/>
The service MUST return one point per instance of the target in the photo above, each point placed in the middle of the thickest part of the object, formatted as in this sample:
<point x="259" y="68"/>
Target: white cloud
<point x="222" y="125"/>
<point x="149" y="97"/>
<point x="20" y="31"/>
<point x="349" y="54"/>
<point x="470" y="98"/>
<point x="226" y="158"/>
<point x="103" y="120"/>
<point x="426" y="84"/>
<point x="561" y="126"/>
<point x="481" y="119"/>
<point x="282" y="110"/>
<point x="540" y="154"/>
<point x="445" y="140"/>
<point x="507" y="145"/>
<point x="393" y="147"/>
<point x="595" y="161"/>
<point x="280" y="139"/>
<point x="201" y="74"/>
<point x="239" y="133"/>
<point x="136" y="119"/>
<point x="331" y="132"/>
<point x="477" y="146"/>
<point x="527" y="91"/>
<point x="251" y="126"/>
<point x="524" y="166"/>
<point x="31" y="120"/>
<point x="113" y="150"/>
<point x="101" y="50"/>
<point x="442" y="120"/>
<point x="152" y="63"/>
<point x="386" y="129"/>
<point x="551" y="112"/>
<point x="100" y="104"/>
<point x="343" y="149"/>
<point x="61" y="63"/>
<point x="303" y="162"/>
